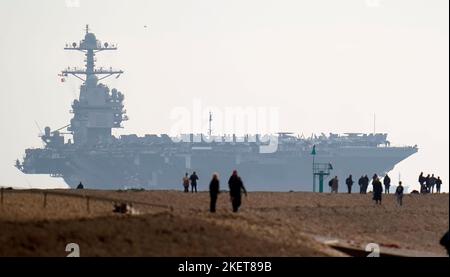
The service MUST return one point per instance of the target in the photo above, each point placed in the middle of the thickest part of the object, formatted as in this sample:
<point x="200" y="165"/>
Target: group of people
<point x="190" y="180"/>
<point x="235" y="184"/>
<point x="428" y="183"/>
<point x="378" y="189"/>
<point x="363" y="183"/>
<point x="236" y="187"/>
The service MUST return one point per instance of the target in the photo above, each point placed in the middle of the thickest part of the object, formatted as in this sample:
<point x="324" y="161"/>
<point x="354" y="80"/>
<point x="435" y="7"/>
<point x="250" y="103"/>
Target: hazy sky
<point x="328" y="65"/>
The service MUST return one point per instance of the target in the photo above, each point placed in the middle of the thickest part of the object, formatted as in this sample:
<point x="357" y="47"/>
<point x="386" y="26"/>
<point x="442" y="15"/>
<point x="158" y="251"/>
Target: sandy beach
<point x="173" y="223"/>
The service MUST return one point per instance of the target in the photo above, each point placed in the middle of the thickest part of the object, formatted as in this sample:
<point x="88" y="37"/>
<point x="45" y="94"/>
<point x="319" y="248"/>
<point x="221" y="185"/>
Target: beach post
<point x="321" y="174"/>
<point x="313" y="153"/>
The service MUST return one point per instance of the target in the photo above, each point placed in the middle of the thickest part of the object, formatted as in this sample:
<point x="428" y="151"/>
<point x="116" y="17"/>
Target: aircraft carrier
<point x="86" y="151"/>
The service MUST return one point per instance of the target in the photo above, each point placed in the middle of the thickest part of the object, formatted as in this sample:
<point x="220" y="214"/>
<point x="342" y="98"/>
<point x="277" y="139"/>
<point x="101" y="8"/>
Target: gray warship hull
<point x="261" y="172"/>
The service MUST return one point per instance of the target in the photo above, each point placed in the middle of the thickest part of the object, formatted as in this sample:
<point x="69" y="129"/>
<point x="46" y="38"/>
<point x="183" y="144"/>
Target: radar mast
<point x="90" y="46"/>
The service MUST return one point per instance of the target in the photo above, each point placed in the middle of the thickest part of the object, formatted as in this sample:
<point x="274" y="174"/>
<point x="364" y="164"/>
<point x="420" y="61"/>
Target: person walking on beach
<point x="399" y="193"/>
<point x="214" y="189"/>
<point x="361" y="184"/>
<point x="193" y="179"/>
<point x="186" y="182"/>
<point x="386" y="183"/>
<point x="335" y="185"/>
<point x="349" y="183"/>
<point x="377" y="189"/>
<point x="236" y="188"/>
<point x="438" y="184"/>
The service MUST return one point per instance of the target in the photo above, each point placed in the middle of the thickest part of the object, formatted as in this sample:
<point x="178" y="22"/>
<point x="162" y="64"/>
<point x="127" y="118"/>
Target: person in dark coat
<point x="361" y="185"/>
<point x="386" y="183"/>
<point x="80" y="186"/>
<point x="349" y="183"/>
<point x="366" y="183"/>
<point x="421" y="179"/>
<point x="236" y="188"/>
<point x="432" y="182"/>
<point x="335" y="185"/>
<point x="214" y="189"/>
<point x="399" y="193"/>
<point x="438" y="184"/>
<point x="193" y="179"/>
<point x="377" y="189"/>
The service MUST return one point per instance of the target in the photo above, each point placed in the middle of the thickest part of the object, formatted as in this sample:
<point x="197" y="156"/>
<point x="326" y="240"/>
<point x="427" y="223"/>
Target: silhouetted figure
<point x="214" y="188"/>
<point x="438" y="184"/>
<point x="445" y="241"/>
<point x="399" y="193"/>
<point x="432" y="182"/>
<point x="236" y="187"/>
<point x="422" y="182"/>
<point x="361" y="185"/>
<point x="80" y="186"/>
<point x="427" y="184"/>
<point x="386" y="183"/>
<point x="349" y="183"/>
<point x="186" y="182"/>
<point x="366" y="184"/>
<point x="421" y="178"/>
<point x="377" y="189"/>
<point x="335" y="185"/>
<point x="193" y="179"/>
